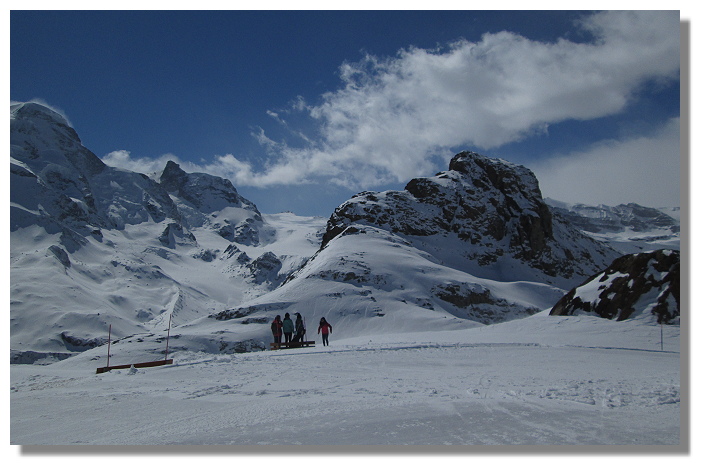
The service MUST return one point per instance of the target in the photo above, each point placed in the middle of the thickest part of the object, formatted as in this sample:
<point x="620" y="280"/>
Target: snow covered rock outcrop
<point x="485" y="216"/>
<point x="638" y="284"/>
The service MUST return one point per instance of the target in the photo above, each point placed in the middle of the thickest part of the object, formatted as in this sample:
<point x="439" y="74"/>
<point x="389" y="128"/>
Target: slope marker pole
<point x="110" y="328"/>
<point x="661" y="336"/>
<point x="168" y="333"/>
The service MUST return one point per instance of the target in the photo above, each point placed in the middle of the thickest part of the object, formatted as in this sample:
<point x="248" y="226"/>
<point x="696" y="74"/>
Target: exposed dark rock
<point x="232" y="314"/>
<point x="266" y="268"/>
<point x="173" y="178"/>
<point x="204" y="192"/>
<point x="239" y="255"/>
<point x="479" y="303"/>
<point x="463" y="295"/>
<point x="175" y="234"/>
<point x="206" y="255"/>
<point x="258" y="320"/>
<point x="61" y="255"/>
<point x="644" y="283"/>
<point x="74" y="343"/>
<point x="247" y="233"/>
<point x="38" y="357"/>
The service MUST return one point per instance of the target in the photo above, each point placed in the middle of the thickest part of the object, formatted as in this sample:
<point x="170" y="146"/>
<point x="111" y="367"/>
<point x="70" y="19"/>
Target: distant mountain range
<point x="94" y="246"/>
<point x="630" y="228"/>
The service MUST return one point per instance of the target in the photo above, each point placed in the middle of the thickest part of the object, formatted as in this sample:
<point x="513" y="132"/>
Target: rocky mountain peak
<point x="58" y="184"/>
<point x="173" y="177"/>
<point x="496" y="207"/>
<point x="206" y="193"/>
<point x="36" y="113"/>
<point x="207" y="200"/>
<point x="494" y="173"/>
<point x="41" y="136"/>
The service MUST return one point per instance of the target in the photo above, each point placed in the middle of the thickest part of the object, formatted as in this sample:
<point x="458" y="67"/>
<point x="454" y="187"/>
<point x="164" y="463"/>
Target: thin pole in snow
<point x="168" y="332"/>
<point x="661" y="336"/>
<point x="110" y="328"/>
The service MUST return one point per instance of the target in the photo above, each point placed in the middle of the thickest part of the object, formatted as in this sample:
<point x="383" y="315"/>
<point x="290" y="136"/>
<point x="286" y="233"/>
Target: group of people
<point x="294" y="331"/>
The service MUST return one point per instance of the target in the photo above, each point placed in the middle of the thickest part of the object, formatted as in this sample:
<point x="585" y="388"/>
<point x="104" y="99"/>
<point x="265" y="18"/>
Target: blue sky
<point x="302" y="109"/>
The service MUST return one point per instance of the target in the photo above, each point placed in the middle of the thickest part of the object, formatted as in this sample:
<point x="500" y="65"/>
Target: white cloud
<point x="225" y="166"/>
<point x="396" y="118"/>
<point x="392" y="116"/>
<point x="645" y="170"/>
<point x="147" y="165"/>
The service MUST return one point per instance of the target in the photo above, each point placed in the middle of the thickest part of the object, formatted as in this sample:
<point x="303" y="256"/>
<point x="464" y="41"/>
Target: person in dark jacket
<point x="277" y="329"/>
<point x="299" y="327"/>
<point x="287" y="328"/>
<point x="325" y="328"/>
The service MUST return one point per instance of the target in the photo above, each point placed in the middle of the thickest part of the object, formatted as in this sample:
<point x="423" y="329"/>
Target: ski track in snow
<point x="372" y="395"/>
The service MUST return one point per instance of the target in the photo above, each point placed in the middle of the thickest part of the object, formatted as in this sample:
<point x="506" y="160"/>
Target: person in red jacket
<point x="324" y="328"/>
<point x="277" y="329"/>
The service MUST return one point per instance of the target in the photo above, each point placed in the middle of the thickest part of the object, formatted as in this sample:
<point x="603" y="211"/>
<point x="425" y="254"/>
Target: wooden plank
<point x="138" y="365"/>
<point x="298" y="344"/>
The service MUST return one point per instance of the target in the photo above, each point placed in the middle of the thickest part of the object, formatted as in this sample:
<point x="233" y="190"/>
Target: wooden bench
<point x="293" y="344"/>
<point x="164" y="362"/>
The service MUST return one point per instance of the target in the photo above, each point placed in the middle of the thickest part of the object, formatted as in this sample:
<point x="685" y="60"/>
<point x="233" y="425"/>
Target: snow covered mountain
<point x="628" y="228"/>
<point x="94" y="246"/>
<point x="485" y="216"/>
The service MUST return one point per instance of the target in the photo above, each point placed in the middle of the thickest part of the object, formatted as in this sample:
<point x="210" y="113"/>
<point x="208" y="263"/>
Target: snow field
<point x="374" y="391"/>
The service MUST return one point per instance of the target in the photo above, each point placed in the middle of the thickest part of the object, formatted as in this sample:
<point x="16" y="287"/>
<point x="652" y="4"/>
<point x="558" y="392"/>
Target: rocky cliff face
<point x="637" y="284"/>
<point x="494" y="206"/>
<point x="475" y="244"/>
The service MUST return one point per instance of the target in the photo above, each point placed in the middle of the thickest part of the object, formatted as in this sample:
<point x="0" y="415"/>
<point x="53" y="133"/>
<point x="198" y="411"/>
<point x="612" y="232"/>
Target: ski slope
<point x="534" y="381"/>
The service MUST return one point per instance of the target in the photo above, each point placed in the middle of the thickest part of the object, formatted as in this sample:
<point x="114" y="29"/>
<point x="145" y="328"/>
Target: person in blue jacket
<point x="287" y="328"/>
